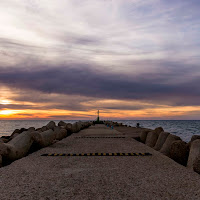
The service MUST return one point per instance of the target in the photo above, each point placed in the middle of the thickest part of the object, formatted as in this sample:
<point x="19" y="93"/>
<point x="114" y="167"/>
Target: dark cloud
<point x="47" y="101"/>
<point x="80" y="39"/>
<point x="127" y="107"/>
<point x="25" y="114"/>
<point x="170" y="88"/>
<point x="16" y="107"/>
<point x="70" y="116"/>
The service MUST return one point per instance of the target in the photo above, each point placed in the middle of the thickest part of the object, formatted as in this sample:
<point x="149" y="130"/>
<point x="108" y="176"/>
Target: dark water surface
<point x="182" y="128"/>
<point x="8" y="126"/>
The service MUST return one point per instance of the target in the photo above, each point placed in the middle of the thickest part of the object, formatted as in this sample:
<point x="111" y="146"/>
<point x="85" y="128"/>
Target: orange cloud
<point x="167" y="112"/>
<point x="59" y="107"/>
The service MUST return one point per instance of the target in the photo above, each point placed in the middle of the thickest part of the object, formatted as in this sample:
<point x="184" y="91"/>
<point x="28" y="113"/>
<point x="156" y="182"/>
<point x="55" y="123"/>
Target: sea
<point x="182" y="128"/>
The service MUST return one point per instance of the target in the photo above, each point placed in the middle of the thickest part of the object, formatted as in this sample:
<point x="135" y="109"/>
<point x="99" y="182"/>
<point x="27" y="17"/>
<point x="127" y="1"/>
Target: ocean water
<point x="185" y="129"/>
<point x="8" y="126"/>
<point x="182" y="128"/>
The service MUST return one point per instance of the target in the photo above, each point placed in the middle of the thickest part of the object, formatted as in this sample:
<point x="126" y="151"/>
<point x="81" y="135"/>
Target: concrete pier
<point x="98" y="177"/>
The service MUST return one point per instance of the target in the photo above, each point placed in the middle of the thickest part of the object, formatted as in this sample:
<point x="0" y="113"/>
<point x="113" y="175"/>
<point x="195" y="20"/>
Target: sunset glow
<point x="5" y="102"/>
<point x="7" y="113"/>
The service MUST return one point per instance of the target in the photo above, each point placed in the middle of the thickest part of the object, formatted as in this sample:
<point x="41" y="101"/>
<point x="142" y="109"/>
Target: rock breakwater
<point x="172" y="146"/>
<point x="24" y="141"/>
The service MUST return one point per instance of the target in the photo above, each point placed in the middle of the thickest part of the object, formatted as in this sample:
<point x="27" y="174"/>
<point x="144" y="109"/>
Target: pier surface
<point x="98" y="177"/>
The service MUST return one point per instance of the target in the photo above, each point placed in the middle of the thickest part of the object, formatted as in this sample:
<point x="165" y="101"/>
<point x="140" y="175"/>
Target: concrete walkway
<point x="123" y="177"/>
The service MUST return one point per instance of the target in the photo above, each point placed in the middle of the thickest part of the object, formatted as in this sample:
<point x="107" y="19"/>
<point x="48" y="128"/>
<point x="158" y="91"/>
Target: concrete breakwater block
<point x="0" y="161"/>
<point x="151" y="138"/>
<point x="111" y="123"/>
<point x="19" y="146"/>
<point x="74" y="128"/>
<point x="61" y="123"/>
<point x="16" y="132"/>
<point x="51" y="125"/>
<point x="143" y="135"/>
<point x="19" y="131"/>
<point x="167" y="145"/>
<point x="194" y="153"/>
<point x="43" y="139"/>
<point x="196" y="164"/>
<point x="68" y="127"/>
<point x="31" y="129"/>
<point x="179" y="152"/>
<point x="47" y="137"/>
<point x="5" y="139"/>
<point x="158" y="130"/>
<point x="161" y="140"/>
<point x="23" y="142"/>
<point x="44" y="128"/>
<point x="38" y="130"/>
<point x="193" y="138"/>
<point x="3" y="151"/>
<point x="3" y="148"/>
<point x="13" y="136"/>
<point x="60" y="132"/>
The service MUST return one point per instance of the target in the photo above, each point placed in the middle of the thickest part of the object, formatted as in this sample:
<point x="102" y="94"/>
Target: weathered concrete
<point x="47" y="137"/>
<point x="159" y="130"/>
<point x="18" y="147"/>
<point x="179" y="152"/>
<point x="143" y="135"/>
<point x="193" y="138"/>
<point x="60" y="132"/>
<point x="151" y="138"/>
<point x="3" y="150"/>
<point x="161" y="140"/>
<point x="194" y="153"/>
<point x="152" y="177"/>
<point x="196" y="164"/>
<point x="168" y="142"/>
<point x="44" y="128"/>
<point x="51" y="125"/>
<point x="0" y="161"/>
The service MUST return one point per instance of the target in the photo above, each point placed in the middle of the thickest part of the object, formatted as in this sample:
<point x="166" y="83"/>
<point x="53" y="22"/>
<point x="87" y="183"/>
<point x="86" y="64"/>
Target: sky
<point x="131" y="59"/>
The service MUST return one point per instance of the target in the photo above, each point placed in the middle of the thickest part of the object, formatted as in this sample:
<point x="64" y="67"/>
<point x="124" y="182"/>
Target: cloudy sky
<point x="132" y="59"/>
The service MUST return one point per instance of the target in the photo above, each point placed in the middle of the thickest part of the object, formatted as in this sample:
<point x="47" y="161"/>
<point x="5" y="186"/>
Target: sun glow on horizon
<point x="167" y="112"/>
<point x="5" y="102"/>
<point x="7" y="112"/>
<point x="12" y="108"/>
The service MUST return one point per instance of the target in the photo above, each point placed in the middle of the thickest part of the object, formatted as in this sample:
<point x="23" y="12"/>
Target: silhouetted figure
<point x="138" y="125"/>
